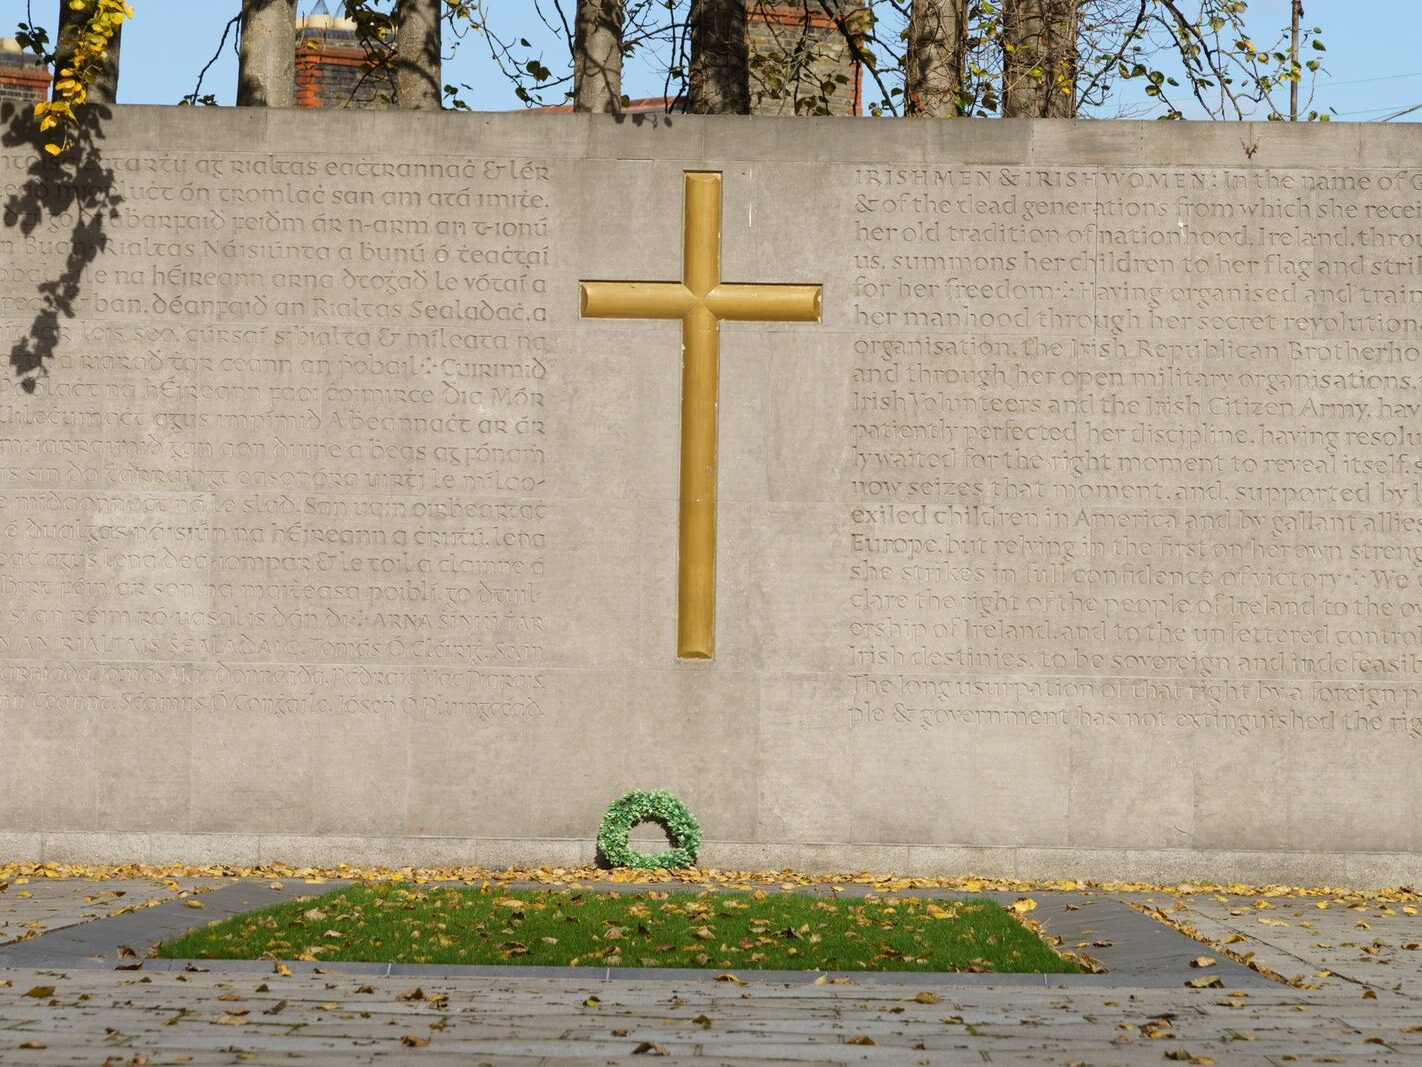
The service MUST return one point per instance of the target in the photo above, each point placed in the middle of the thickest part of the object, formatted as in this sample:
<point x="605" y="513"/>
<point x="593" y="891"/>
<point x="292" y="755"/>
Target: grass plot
<point x="571" y="928"/>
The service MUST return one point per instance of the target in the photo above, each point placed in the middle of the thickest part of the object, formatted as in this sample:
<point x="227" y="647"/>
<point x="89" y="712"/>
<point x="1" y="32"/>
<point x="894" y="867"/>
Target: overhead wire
<point x="1396" y="114"/>
<point x="1375" y="110"/>
<point x="1399" y="114"/>
<point x="1382" y="78"/>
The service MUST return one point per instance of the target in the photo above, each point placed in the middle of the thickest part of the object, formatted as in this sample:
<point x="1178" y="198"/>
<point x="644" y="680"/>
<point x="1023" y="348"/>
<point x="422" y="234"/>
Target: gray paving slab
<point x="102" y="942"/>
<point x="1330" y="942"/>
<point x="30" y="906"/>
<point x="95" y="1013"/>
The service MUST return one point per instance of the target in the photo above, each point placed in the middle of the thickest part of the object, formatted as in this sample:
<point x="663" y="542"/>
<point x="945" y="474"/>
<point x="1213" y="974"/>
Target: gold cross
<point x="700" y="300"/>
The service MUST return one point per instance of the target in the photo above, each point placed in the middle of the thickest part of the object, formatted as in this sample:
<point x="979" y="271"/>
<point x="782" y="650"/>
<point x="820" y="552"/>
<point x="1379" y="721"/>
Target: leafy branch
<point x="92" y="39"/>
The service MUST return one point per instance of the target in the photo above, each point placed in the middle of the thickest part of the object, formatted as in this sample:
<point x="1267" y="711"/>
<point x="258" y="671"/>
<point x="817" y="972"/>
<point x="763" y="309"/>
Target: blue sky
<point x="1373" y="64"/>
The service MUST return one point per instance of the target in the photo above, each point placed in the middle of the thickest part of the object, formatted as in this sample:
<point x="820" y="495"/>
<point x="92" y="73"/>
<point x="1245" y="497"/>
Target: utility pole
<point x="1296" y="71"/>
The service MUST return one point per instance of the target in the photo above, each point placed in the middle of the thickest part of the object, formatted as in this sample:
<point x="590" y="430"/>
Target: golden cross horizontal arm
<point x="765" y="303"/>
<point x="672" y="300"/>
<point x="636" y="300"/>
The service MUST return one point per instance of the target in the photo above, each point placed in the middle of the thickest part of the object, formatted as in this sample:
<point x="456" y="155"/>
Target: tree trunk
<point x="266" y="59"/>
<point x="597" y="57"/>
<point x="104" y="90"/>
<point x="720" y="58"/>
<point x="934" y="63"/>
<point x="1039" y="68"/>
<point x="419" y="84"/>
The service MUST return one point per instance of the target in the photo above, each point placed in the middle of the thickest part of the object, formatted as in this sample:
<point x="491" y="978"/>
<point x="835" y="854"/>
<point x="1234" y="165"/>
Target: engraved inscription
<point x="1142" y="436"/>
<point x="1086" y="518"/>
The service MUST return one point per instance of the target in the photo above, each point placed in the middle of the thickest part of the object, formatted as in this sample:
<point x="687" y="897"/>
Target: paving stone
<point x="1314" y="939"/>
<point x="547" y="1020"/>
<point x="532" y="1017"/>
<point x="29" y="907"/>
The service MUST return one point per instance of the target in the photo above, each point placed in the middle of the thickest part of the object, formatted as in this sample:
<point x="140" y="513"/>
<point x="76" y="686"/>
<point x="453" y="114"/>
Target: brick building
<point x="331" y="67"/>
<point x="22" y="79"/>
<point x="800" y="62"/>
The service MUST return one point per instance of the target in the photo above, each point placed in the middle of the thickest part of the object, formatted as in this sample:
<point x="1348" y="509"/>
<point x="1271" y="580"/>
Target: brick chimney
<point x="23" y="80"/>
<point x="798" y="53"/>
<point x="331" y="67"/>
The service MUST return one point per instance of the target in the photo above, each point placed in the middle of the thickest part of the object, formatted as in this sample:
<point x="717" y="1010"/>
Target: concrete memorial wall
<point x="1068" y="527"/>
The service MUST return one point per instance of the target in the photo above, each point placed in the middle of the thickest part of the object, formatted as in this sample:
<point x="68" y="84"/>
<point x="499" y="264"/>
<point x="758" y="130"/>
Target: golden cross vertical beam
<point x="701" y="301"/>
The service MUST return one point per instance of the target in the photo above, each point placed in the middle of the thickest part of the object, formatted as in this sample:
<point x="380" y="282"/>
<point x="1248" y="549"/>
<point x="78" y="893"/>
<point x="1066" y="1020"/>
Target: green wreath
<point x="656" y="806"/>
